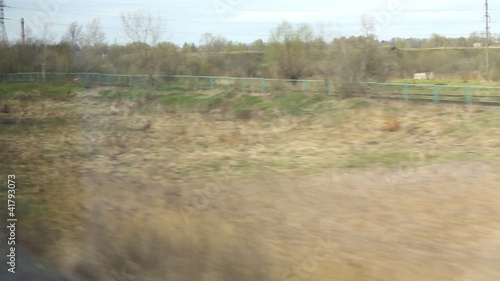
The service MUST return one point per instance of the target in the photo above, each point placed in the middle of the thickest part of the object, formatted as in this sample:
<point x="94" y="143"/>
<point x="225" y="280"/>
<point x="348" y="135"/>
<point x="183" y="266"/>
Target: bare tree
<point x="45" y="56"/>
<point x="139" y="26"/>
<point x="29" y="36"/>
<point x="368" y="27"/>
<point x="89" y="58"/>
<point x="94" y="36"/>
<point x="325" y="60"/>
<point x="74" y="34"/>
<point x="213" y="42"/>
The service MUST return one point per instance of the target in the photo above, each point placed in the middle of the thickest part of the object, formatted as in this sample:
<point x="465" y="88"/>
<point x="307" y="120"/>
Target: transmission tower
<point x="23" y="34"/>
<point x="487" y="19"/>
<point x="3" y="31"/>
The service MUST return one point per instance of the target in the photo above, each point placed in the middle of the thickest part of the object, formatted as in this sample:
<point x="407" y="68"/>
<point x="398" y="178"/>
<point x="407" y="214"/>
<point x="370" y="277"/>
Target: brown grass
<point x="197" y="198"/>
<point x="391" y="124"/>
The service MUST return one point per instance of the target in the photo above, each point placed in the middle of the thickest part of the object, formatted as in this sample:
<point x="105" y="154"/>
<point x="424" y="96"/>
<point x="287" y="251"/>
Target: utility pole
<point x="487" y="19"/>
<point x="23" y="35"/>
<point x="3" y="31"/>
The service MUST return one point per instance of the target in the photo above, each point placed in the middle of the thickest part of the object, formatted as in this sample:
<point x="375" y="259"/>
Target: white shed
<point x="423" y="76"/>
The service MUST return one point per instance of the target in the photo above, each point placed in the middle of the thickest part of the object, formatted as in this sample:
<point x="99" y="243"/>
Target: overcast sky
<point x="248" y="20"/>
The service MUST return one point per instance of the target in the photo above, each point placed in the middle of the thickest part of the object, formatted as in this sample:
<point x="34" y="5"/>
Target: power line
<point x="238" y="34"/>
<point x="239" y="9"/>
<point x="135" y="5"/>
<point x="235" y="23"/>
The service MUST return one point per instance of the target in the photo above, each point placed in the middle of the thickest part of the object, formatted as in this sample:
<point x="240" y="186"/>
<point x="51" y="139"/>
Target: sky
<point x="248" y="20"/>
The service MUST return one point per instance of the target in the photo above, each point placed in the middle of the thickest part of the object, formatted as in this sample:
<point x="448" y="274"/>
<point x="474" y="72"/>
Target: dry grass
<point x="133" y="189"/>
<point x="391" y="124"/>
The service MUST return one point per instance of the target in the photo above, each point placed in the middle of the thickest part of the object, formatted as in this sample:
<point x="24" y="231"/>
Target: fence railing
<point x="424" y="92"/>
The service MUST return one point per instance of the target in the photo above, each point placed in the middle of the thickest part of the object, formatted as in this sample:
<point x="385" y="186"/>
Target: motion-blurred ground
<point x="116" y="189"/>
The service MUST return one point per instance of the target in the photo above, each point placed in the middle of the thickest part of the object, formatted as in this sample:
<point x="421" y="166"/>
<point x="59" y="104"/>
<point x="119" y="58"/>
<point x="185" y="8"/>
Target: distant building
<point x="477" y="45"/>
<point x="423" y="76"/>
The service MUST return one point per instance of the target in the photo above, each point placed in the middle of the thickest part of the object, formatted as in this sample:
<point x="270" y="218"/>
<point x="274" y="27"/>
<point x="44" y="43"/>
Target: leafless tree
<point x="45" y="56"/>
<point x="89" y="58"/>
<point x="139" y="26"/>
<point x="213" y="42"/>
<point x="29" y="36"/>
<point x="74" y="34"/>
<point x="94" y="36"/>
<point x="368" y="27"/>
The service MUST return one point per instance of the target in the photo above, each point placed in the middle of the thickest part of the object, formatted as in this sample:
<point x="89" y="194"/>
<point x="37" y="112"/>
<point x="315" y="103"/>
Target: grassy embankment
<point x="82" y="155"/>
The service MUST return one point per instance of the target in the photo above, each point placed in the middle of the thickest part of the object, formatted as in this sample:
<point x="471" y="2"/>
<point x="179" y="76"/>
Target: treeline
<point x="440" y="41"/>
<point x="292" y="52"/>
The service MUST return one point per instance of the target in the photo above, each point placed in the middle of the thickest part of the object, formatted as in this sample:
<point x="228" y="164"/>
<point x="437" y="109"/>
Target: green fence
<point x="407" y="92"/>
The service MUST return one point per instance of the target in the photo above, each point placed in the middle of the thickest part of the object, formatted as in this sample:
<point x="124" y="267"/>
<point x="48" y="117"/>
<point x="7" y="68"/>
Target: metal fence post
<point x="263" y="85"/>
<point x="406" y="92"/>
<point x="196" y="83"/>
<point x="436" y="94"/>
<point x="211" y="82"/>
<point x="469" y="95"/>
<point x="304" y="86"/>
<point x="168" y="77"/>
